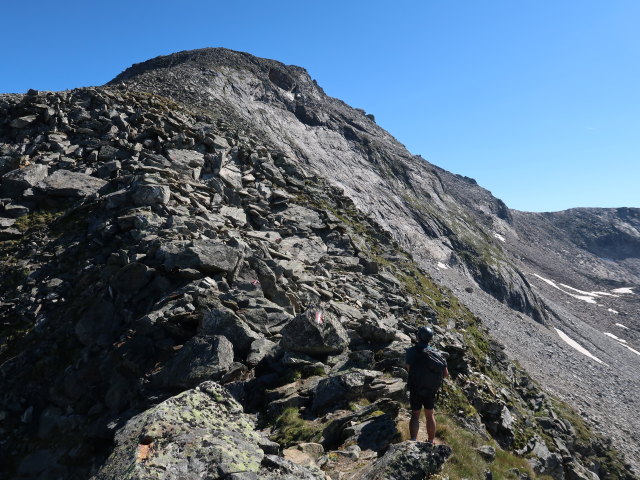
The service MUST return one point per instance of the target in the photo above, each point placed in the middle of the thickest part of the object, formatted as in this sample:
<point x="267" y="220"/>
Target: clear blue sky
<point x="538" y="100"/>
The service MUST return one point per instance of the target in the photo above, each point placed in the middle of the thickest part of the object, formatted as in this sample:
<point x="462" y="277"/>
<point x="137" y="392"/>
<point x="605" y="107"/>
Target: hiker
<point x="427" y="368"/>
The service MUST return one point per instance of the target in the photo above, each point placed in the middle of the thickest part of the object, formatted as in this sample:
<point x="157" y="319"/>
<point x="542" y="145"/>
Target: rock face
<point x="166" y="248"/>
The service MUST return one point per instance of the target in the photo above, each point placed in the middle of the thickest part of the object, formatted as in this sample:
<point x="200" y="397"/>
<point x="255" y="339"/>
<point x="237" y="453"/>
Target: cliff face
<point x="212" y="220"/>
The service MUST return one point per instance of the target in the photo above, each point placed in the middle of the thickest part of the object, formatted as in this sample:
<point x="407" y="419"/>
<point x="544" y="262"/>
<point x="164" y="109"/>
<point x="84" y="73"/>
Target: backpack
<point x="427" y="371"/>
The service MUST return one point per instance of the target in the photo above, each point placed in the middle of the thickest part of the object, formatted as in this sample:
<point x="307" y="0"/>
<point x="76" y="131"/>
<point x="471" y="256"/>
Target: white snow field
<point x="572" y="343"/>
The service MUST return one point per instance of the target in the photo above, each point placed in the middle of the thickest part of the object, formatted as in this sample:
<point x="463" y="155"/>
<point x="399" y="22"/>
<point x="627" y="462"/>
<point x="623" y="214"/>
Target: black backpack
<point x="427" y="371"/>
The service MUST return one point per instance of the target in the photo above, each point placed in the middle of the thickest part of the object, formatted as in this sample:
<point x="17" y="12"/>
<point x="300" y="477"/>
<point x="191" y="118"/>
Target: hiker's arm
<point x="446" y="372"/>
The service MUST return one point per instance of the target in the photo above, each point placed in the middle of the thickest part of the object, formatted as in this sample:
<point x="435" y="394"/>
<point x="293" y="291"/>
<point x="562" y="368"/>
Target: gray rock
<point x="278" y="468"/>
<point x="107" y="152"/>
<point x="260" y="349"/>
<point x="6" y="222"/>
<point x="64" y="183"/>
<point x="14" y="210"/>
<point x="17" y="181"/>
<point x="237" y="215"/>
<point x="199" y="434"/>
<point x="204" y="357"/>
<point x="408" y="461"/>
<point x="22" y="122"/>
<point x="334" y="391"/>
<point x="186" y="159"/>
<point x="307" y="249"/>
<point x="145" y="194"/>
<point x="223" y="321"/>
<point x="207" y="256"/>
<point x="487" y="452"/>
<point x="36" y="463"/>
<point x="575" y="471"/>
<point x="315" y="333"/>
<point x="375" y="331"/>
<point x="8" y="163"/>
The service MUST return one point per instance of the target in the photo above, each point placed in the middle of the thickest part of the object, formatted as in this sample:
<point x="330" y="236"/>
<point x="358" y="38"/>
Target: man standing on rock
<point x="427" y="369"/>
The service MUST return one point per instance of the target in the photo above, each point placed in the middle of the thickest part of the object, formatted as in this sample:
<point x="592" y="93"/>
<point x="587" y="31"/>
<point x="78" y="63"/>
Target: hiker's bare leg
<point x="431" y="424"/>
<point x="414" y="424"/>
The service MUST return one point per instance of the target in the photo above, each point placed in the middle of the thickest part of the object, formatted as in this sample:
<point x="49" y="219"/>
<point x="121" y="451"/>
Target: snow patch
<point x="621" y="341"/>
<point x="572" y="343"/>
<point x="589" y="297"/>
<point x="550" y="282"/>
<point x="498" y="236"/>
<point x="584" y="298"/>
<point x="622" y="326"/>
<point x="629" y="348"/>
<point x="442" y="266"/>
<point x="614" y="337"/>
<point x="623" y="290"/>
<point x="612" y="311"/>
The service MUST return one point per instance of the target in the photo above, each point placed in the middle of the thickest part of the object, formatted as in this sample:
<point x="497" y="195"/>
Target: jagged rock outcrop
<point x="199" y="252"/>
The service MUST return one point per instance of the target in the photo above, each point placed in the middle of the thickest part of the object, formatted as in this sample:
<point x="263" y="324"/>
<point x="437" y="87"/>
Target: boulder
<point x="201" y="433"/>
<point x="22" y="122"/>
<point x="260" y="349"/>
<point x="207" y="256"/>
<point x="8" y="163"/>
<point x="17" y="181"/>
<point x="204" y="357"/>
<point x="150" y="194"/>
<point x="487" y="452"/>
<point x="308" y="249"/>
<point x="223" y="321"/>
<point x="315" y="332"/>
<point x="334" y="391"/>
<point x="187" y="160"/>
<point x="64" y="183"/>
<point x="408" y="461"/>
<point x="278" y="468"/>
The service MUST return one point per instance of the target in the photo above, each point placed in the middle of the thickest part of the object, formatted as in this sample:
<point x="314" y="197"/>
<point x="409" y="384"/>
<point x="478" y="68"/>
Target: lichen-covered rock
<point x="201" y="433"/>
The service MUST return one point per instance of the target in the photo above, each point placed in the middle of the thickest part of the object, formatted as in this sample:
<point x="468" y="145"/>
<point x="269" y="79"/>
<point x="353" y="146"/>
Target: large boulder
<point x="187" y="160"/>
<point x="204" y="357"/>
<point x="408" y="461"/>
<point x="220" y="320"/>
<point x="18" y="180"/>
<point x="201" y="433"/>
<point x="315" y="332"/>
<point x="337" y="389"/>
<point x="65" y="183"/>
<point x="207" y="256"/>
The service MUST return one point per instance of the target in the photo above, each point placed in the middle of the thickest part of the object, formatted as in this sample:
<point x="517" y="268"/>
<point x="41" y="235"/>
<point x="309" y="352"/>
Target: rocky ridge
<point x="148" y="249"/>
<point x="457" y="231"/>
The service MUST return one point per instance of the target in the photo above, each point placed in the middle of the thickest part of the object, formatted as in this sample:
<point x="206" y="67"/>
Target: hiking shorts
<point x="419" y="400"/>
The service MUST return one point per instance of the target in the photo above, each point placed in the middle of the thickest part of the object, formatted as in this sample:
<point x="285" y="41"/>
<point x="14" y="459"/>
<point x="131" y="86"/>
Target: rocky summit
<point x="212" y="270"/>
